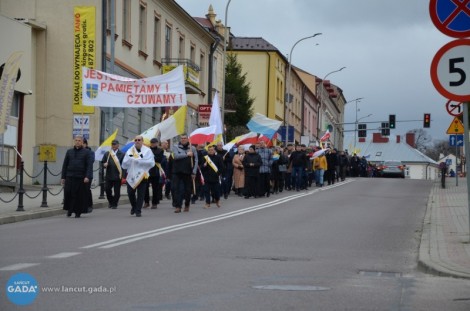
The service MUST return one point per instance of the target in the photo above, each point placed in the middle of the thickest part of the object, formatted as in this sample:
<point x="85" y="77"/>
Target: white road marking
<point x="18" y="266"/>
<point x="64" y="255"/>
<point x="148" y="234"/>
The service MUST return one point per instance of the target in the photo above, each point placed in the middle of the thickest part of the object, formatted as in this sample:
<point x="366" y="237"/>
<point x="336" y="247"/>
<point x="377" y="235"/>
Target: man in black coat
<point x="112" y="161"/>
<point x="155" y="176"/>
<point x="77" y="173"/>
<point x="212" y="168"/>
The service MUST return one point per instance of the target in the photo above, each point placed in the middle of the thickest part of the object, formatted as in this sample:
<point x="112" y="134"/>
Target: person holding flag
<point x="138" y="161"/>
<point x="112" y="161"/>
<point x="211" y="169"/>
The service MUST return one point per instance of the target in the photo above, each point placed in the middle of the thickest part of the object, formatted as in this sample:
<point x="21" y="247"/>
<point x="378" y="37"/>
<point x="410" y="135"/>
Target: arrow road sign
<point x="456" y="140"/>
<point x="451" y="17"/>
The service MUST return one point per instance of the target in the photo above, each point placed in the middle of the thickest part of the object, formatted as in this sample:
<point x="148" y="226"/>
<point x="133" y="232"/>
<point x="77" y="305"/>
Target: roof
<point x="204" y="22"/>
<point x="252" y="44"/>
<point x="376" y="152"/>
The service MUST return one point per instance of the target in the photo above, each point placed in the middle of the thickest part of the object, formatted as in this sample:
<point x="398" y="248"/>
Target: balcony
<point x="191" y="73"/>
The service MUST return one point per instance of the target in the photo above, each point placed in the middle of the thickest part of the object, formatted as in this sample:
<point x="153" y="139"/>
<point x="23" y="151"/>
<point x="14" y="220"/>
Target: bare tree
<point x="422" y="139"/>
<point x="439" y="147"/>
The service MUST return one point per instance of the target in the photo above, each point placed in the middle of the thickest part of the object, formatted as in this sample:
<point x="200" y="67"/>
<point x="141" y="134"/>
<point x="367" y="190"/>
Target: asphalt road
<point x="348" y="247"/>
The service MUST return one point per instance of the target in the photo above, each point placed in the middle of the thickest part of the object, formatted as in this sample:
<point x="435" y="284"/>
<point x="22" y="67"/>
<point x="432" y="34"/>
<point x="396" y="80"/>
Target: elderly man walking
<point x="137" y="161"/>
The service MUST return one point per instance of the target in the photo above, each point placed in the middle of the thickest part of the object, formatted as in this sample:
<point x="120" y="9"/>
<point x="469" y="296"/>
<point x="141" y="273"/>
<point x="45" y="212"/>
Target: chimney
<point x="398" y="139"/>
<point x="410" y="139"/>
<point x="378" y="138"/>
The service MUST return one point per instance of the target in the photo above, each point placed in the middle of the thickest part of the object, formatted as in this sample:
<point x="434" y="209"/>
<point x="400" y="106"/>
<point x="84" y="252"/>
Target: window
<point x="181" y="48"/>
<point x="108" y="15"/>
<point x="192" y="54"/>
<point x="142" y="27"/>
<point x="15" y="106"/>
<point x="156" y="38"/>
<point x="126" y="20"/>
<point x="202" y="65"/>
<point x="167" y="41"/>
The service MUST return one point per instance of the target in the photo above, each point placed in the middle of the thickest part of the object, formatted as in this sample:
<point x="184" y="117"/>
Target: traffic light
<point x="427" y="120"/>
<point x="385" y="129"/>
<point x="391" y="121"/>
<point x="362" y="132"/>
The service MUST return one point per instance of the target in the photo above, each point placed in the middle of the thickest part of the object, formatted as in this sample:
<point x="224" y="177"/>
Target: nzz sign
<point x="450" y="70"/>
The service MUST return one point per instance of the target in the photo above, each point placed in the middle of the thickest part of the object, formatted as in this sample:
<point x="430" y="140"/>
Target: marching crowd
<point x="188" y="173"/>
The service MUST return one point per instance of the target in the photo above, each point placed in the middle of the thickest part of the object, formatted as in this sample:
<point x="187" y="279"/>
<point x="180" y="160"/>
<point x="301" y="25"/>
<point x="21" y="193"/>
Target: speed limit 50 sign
<point x="450" y="70"/>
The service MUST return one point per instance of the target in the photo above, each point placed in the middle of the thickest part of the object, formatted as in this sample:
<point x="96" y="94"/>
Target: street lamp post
<point x="356" y="120"/>
<point x="287" y="95"/>
<point x="222" y="106"/>
<point x="320" y="96"/>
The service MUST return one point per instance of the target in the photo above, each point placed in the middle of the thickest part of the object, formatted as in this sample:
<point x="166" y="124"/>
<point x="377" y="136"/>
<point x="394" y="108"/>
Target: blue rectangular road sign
<point x="456" y="140"/>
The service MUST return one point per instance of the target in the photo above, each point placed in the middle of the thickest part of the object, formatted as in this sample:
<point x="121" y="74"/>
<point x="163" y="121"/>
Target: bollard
<point x="44" y="187"/>
<point x="101" y="180"/>
<point x="21" y="190"/>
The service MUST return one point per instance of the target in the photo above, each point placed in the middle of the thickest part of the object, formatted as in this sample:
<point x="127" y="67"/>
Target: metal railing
<point x="21" y="192"/>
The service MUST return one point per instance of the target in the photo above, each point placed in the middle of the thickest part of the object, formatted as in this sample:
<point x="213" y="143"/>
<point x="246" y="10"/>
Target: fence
<point x="20" y="192"/>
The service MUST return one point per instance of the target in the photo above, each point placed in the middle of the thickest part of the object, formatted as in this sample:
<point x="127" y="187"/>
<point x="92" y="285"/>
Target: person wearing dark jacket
<point x="227" y="177"/>
<point x="343" y="162"/>
<point x="298" y="160"/>
<point x="184" y="170"/>
<point x="154" y="176"/>
<point x="332" y="160"/>
<point x="278" y="169"/>
<point x="251" y="163"/>
<point x="77" y="173"/>
<point x="212" y="169"/>
<point x="201" y="152"/>
<point x="112" y="161"/>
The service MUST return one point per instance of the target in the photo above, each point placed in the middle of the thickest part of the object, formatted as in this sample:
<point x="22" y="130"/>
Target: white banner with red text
<point x="108" y="90"/>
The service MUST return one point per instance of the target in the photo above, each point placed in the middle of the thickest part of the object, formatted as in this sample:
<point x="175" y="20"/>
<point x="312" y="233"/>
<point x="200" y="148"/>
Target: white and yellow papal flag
<point x="105" y="146"/>
<point x="174" y="125"/>
<point x="216" y="120"/>
<point x="7" y="87"/>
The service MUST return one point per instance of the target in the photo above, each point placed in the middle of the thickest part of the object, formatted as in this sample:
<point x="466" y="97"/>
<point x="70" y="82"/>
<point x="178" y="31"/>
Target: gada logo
<point x="22" y="289"/>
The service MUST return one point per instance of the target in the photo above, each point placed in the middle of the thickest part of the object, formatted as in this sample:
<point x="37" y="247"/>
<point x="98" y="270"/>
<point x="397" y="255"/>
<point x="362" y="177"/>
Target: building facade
<point x="135" y="39"/>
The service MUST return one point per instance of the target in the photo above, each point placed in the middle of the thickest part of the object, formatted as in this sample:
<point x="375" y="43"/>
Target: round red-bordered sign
<point x="450" y="70"/>
<point x="451" y="17"/>
<point x="453" y="108"/>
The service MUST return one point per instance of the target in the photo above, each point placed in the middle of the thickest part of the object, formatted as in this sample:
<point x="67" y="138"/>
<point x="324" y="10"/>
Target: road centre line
<point x="63" y="255"/>
<point x="148" y="234"/>
<point x="178" y="225"/>
<point x="18" y="266"/>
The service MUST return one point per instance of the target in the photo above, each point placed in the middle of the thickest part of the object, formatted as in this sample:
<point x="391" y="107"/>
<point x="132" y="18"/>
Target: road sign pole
<point x="456" y="170"/>
<point x="467" y="153"/>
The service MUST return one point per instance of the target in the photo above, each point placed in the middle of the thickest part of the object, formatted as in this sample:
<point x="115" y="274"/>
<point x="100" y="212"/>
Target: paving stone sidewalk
<point x="445" y="241"/>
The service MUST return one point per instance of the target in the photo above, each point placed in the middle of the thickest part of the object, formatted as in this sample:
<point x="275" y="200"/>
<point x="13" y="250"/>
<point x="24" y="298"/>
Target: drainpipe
<point x="267" y="89"/>
<point x="211" y="66"/>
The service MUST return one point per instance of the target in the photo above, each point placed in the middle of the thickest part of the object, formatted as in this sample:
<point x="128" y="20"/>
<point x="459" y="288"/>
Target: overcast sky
<point x="386" y="46"/>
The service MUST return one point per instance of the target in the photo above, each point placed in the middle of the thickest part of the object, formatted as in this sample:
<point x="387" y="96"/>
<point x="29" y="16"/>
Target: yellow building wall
<point x="265" y="74"/>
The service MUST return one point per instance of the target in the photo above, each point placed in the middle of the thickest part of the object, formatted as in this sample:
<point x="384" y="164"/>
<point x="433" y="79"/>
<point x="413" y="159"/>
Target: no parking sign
<point x="451" y="17"/>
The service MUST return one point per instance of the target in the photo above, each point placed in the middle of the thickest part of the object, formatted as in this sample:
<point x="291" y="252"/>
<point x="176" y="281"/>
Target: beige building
<point x="148" y="37"/>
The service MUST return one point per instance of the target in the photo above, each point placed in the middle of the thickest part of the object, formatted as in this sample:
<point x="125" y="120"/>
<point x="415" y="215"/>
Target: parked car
<point x="391" y="168"/>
